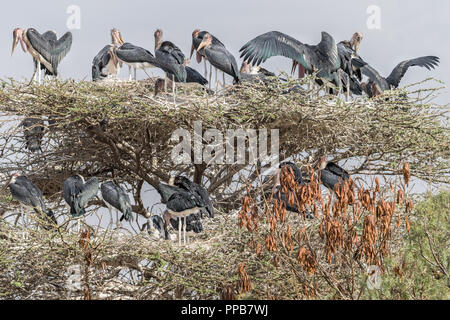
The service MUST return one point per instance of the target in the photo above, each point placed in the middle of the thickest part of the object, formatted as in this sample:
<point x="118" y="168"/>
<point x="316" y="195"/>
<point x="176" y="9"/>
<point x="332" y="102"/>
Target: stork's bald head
<point x="356" y="40"/>
<point x="116" y="37"/>
<point x="245" y="67"/>
<point x="195" y="33"/>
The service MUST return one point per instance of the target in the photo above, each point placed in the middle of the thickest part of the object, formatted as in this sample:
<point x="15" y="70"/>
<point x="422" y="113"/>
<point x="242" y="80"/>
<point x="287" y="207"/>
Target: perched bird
<point x="377" y="84"/>
<point x="179" y="203"/>
<point x="117" y="197"/>
<point x="45" y="50"/>
<point x="198" y="191"/>
<point x="135" y="57"/>
<point x="197" y="38"/>
<point x="277" y="191"/>
<point x="332" y="174"/>
<point x="28" y="194"/>
<point x="322" y="58"/>
<point x="33" y="133"/>
<point x="219" y="57"/>
<point x="78" y="193"/>
<point x="351" y="64"/>
<point x="170" y="59"/>
<point x="105" y="63"/>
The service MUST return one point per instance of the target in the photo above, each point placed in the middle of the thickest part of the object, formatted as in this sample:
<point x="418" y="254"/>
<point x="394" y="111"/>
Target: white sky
<point x="409" y="29"/>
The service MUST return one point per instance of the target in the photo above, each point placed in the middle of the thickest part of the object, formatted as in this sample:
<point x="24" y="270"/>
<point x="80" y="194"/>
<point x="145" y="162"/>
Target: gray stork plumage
<point x="197" y="38"/>
<point x="45" y="50"/>
<point x="219" y="57"/>
<point x="277" y="189"/>
<point x="33" y="133"/>
<point x="377" y="83"/>
<point x="198" y="191"/>
<point x="27" y="193"/>
<point x="332" y="174"/>
<point x="322" y="58"/>
<point x="117" y="197"/>
<point x="135" y="57"/>
<point x="170" y="59"/>
<point x="78" y="193"/>
<point x="179" y="203"/>
<point x="106" y="63"/>
<point x="351" y="64"/>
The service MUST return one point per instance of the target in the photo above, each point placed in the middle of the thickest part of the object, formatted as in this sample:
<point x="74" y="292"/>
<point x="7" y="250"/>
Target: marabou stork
<point x="322" y="58"/>
<point x="78" y="193"/>
<point x="116" y="197"/>
<point x="106" y="63"/>
<point x="219" y="57"/>
<point x="332" y="174"/>
<point x="179" y="203"/>
<point x="135" y="57"/>
<point x="170" y="59"/>
<point x="277" y="192"/>
<point x="377" y="84"/>
<point x="197" y="38"/>
<point x="33" y="133"/>
<point x="29" y="195"/>
<point x="46" y="50"/>
<point x="198" y="191"/>
<point x="351" y="64"/>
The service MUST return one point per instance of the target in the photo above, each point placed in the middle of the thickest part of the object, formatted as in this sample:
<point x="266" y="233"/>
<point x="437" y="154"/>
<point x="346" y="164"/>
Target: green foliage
<point x="422" y="267"/>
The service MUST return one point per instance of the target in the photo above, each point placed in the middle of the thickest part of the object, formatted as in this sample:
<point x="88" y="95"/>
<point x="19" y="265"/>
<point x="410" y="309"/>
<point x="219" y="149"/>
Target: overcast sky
<point x="408" y="29"/>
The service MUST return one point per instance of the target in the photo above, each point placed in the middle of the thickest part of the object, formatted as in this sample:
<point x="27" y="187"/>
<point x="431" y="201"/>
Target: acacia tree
<point x="123" y="132"/>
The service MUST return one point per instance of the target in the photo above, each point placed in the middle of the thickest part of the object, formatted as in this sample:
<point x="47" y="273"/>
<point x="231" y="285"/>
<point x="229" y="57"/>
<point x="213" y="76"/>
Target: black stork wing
<point x="170" y="48"/>
<point x="166" y="191"/>
<point x="100" y="61"/>
<point x="373" y="75"/>
<point x="429" y="62"/>
<point x="275" y="43"/>
<point x="193" y="75"/>
<point x="50" y="50"/>
<point x="133" y="54"/>
<point x="88" y="191"/>
<point x="337" y="170"/>
<point x="201" y="192"/>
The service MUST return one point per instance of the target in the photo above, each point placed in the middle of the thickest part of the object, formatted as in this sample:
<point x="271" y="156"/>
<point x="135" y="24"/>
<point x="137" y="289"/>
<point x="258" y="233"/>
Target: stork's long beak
<point x="120" y="39"/>
<point x="15" y="42"/>
<point x="192" y="51"/>
<point x="202" y="45"/>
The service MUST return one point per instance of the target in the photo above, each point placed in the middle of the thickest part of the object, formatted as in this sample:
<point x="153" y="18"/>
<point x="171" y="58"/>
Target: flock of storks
<point x="335" y="63"/>
<point x="338" y="64"/>
<point x="182" y="197"/>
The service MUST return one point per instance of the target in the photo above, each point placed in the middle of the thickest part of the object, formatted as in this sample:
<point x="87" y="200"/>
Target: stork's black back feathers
<point x="33" y="133"/>
<point x="117" y="197"/>
<point x="29" y="194"/>
<point x="53" y="51"/>
<point x="199" y="192"/>
<point x="78" y="194"/>
<point x="333" y="174"/>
